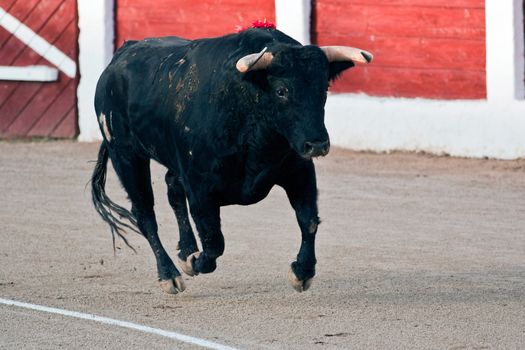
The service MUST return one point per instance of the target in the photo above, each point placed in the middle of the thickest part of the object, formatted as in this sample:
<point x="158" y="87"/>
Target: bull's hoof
<point x="187" y="266"/>
<point x="173" y="285"/>
<point x="297" y="284"/>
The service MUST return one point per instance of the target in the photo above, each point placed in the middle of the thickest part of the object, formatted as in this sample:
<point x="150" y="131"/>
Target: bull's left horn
<point x="346" y="53"/>
<point x="254" y="61"/>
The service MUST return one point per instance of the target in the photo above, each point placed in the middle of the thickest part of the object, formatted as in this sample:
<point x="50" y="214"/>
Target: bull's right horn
<point x="254" y="61"/>
<point x="346" y="53"/>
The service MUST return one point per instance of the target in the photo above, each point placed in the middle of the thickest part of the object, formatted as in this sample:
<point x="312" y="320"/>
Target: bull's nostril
<point x="326" y="148"/>
<point x="314" y="149"/>
<point x="308" y="147"/>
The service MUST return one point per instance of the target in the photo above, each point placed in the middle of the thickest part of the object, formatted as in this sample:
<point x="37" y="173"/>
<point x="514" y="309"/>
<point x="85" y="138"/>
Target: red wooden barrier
<point x="32" y="108"/>
<point x="422" y="48"/>
<point x="138" y="19"/>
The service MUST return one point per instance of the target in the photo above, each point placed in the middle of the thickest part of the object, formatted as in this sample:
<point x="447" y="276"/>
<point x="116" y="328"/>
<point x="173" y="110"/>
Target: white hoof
<point x="297" y="284"/>
<point x="187" y="266"/>
<point x="172" y="286"/>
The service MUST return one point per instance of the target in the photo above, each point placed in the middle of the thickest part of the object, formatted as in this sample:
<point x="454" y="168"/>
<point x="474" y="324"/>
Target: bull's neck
<point x="266" y="143"/>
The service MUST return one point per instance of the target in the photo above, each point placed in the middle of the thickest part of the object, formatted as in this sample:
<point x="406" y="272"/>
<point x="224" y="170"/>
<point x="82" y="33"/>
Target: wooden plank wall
<point x="138" y="19"/>
<point x="30" y="109"/>
<point x="423" y="48"/>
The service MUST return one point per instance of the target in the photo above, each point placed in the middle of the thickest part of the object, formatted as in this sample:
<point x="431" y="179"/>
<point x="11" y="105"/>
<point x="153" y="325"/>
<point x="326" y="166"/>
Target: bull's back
<point x="131" y="93"/>
<point x="131" y="74"/>
<point x="166" y="85"/>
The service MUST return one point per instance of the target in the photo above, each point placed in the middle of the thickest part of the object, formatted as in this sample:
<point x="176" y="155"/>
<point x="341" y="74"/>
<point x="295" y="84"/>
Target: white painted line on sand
<point x="38" y="44"/>
<point x="124" y="324"/>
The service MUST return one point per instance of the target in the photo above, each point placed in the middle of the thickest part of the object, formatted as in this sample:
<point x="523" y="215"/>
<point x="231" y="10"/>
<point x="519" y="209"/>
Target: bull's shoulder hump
<point x="168" y="41"/>
<point x="150" y="50"/>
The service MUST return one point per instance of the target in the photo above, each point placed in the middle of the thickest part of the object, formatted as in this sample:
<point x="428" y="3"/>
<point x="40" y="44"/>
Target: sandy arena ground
<point x="415" y="252"/>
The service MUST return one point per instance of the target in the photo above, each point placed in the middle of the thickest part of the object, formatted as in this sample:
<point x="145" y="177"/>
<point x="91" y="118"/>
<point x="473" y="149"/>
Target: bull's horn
<point x="346" y="53"/>
<point x="254" y="61"/>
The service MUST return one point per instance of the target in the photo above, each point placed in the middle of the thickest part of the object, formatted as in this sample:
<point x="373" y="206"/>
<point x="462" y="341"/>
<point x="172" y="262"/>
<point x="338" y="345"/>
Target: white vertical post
<point x="504" y="25"/>
<point x="96" y="44"/>
<point x="519" y="50"/>
<point x="293" y="19"/>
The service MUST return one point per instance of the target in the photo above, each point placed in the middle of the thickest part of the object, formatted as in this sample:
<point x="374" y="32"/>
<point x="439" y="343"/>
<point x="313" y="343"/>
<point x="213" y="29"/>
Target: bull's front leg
<point x="301" y="188"/>
<point x="206" y="215"/>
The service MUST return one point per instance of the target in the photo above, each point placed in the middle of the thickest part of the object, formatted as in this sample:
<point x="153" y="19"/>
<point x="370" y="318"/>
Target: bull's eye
<point x="281" y="92"/>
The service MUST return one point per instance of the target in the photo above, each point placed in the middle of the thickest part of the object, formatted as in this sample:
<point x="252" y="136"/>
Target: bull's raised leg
<point x="177" y="198"/>
<point x="301" y="189"/>
<point x="207" y="219"/>
<point x="134" y="174"/>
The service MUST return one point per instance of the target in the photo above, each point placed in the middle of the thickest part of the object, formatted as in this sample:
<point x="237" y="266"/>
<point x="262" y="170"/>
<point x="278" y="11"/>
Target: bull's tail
<point x="104" y="206"/>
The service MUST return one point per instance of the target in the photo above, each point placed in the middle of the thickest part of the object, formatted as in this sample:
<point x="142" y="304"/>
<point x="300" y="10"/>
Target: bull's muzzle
<point x="316" y="149"/>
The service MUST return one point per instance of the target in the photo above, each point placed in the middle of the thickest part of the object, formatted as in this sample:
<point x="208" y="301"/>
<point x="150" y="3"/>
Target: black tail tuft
<point x="104" y="206"/>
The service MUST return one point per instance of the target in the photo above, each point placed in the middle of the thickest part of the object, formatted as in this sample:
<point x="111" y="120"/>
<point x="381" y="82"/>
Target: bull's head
<point x="297" y="79"/>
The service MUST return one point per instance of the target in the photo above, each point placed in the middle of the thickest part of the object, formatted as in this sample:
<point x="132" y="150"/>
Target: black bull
<point x="229" y="118"/>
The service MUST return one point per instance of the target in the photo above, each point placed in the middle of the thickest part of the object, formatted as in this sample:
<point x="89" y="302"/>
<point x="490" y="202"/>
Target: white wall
<point x="493" y="128"/>
<point x="95" y="22"/>
<point x="457" y="128"/>
<point x="293" y="18"/>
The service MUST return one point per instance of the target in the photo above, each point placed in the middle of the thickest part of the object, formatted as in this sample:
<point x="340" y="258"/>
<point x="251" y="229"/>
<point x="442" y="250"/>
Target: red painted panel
<point x="400" y="82"/>
<point x="49" y="99"/>
<point x="421" y="53"/>
<point x="55" y="112"/>
<point x="16" y="102"/>
<point x="10" y="51"/>
<point x="24" y="93"/>
<point x="138" y="19"/>
<point x="44" y="19"/>
<point x="45" y="95"/>
<point x="423" y="22"/>
<point x="417" y="3"/>
<point x="61" y="19"/>
<point x="39" y="109"/>
<point x="20" y="10"/>
<point x="36" y="97"/>
<point x="6" y="4"/>
<point x="6" y="89"/>
<point x="422" y="48"/>
<point x="67" y="125"/>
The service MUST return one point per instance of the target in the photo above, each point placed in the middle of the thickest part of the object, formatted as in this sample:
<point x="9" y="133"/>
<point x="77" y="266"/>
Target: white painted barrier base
<point x="457" y="128"/>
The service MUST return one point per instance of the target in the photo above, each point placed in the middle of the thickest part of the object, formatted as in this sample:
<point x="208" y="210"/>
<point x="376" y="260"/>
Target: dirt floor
<point x="414" y="252"/>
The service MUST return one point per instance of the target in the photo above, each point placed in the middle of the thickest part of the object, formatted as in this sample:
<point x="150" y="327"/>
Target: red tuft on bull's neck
<point x="263" y="24"/>
<point x="257" y="24"/>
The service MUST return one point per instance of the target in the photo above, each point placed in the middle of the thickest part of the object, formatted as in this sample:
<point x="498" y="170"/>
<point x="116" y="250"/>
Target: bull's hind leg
<point x="134" y="174"/>
<point x="207" y="219"/>
<point x="177" y="198"/>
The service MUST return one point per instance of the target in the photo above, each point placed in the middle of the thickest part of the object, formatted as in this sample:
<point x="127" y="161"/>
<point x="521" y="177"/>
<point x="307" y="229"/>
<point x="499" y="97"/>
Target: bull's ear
<point x="336" y="68"/>
<point x="344" y="57"/>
